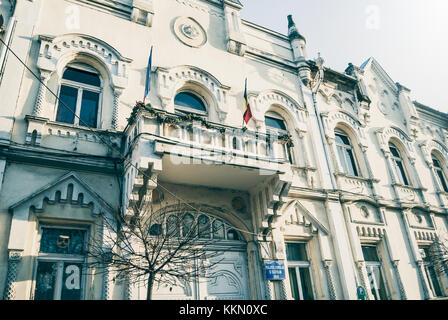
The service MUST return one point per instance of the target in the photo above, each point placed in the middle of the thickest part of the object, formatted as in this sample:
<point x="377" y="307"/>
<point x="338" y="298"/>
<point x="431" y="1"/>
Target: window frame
<point x="287" y="150"/>
<point x="60" y="259"/>
<point x="345" y="147"/>
<point x="440" y="173"/>
<point x="297" y="265"/>
<point x="401" y="173"/>
<point x="80" y="87"/>
<point x="370" y="265"/>
<point x="427" y="265"/>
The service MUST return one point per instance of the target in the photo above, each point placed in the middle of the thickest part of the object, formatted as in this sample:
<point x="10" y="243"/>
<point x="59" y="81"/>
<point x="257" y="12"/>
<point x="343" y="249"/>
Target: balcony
<point x="408" y="194"/>
<point x="195" y="151"/>
<point x="444" y="198"/>
<point x="70" y="144"/>
<point x="187" y="149"/>
<point x="352" y="184"/>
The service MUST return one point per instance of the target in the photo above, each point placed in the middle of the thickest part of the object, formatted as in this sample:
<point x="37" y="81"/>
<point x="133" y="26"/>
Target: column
<point x="415" y="253"/>
<point x="106" y="287"/>
<point x="399" y="281"/>
<point x="39" y="106"/>
<point x="14" y="257"/>
<point x="417" y="179"/>
<point x="327" y="265"/>
<point x="421" y="274"/>
<point x="283" y="294"/>
<point x="117" y="94"/>
<point x="360" y="265"/>
<point x="369" y="169"/>
<point x="302" y="147"/>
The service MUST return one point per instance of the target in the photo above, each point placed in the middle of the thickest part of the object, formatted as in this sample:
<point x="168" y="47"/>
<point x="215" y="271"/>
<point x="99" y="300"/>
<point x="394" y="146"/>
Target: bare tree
<point x="438" y="254"/>
<point x="161" y="246"/>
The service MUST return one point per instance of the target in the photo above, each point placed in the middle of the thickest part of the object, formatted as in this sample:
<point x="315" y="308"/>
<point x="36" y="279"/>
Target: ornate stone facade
<point x="338" y="176"/>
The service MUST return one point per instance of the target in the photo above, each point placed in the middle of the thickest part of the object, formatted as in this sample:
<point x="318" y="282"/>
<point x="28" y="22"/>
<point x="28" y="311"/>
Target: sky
<point x="409" y="38"/>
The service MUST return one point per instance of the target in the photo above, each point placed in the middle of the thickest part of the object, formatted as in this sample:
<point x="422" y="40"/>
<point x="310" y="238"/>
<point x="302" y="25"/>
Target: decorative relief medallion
<point x="190" y="32"/>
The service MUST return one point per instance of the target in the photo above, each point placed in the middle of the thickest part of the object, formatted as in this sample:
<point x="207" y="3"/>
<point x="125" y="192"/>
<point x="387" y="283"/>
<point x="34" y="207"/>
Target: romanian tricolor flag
<point x="247" y="112"/>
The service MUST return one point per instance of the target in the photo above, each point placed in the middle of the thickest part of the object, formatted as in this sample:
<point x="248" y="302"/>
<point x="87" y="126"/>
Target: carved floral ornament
<point x="273" y="99"/>
<point x="56" y="52"/>
<point x="384" y="135"/>
<point x="170" y="81"/>
<point x="190" y="32"/>
<point x="429" y="146"/>
<point x="337" y="118"/>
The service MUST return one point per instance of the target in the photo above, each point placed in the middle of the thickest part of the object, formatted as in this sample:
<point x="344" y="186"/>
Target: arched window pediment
<point x="281" y="103"/>
<point x="177" y="79"/>
<point x="389" y="134"/>
<point x="57" y="52"/>
<point x="344" y="120"/>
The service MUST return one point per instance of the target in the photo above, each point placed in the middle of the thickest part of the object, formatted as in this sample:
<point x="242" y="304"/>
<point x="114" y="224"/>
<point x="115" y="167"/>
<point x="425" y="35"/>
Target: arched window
<point x="345" y="153"/>
<point x="80" y="92"/>
<point x="274" y="122"/>
<point x="187" y="102"/>
<point x="398" y="166"/>
<point x="439" y="173"/>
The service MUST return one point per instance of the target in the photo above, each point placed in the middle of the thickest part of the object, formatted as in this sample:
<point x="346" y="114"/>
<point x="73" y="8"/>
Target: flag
<point x="148" y="77"/>
<point x="247" y="111"/>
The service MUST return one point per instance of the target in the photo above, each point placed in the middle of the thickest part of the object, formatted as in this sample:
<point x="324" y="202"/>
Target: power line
<point x="122" y="157"/>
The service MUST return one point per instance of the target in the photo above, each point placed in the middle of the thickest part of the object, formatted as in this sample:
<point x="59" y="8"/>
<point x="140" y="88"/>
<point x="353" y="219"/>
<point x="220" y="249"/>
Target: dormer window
<point x="187" y="102"/>
<point x="80" y="92"/>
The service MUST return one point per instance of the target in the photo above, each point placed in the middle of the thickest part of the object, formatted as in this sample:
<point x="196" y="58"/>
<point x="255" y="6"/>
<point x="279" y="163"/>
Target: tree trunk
<point x="150" y="285"/>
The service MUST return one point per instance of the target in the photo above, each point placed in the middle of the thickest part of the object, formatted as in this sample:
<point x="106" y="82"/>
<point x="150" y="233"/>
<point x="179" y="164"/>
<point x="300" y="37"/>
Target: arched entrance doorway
<point x="225" y="275"/>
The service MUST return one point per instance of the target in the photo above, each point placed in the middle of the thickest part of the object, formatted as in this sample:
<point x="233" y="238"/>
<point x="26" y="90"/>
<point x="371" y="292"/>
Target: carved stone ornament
<point x="190" y="32"/>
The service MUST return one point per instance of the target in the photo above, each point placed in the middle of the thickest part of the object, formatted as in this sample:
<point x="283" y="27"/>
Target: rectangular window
<point x="58" y="280"/>
<point x="430" y="272"/>
<point x="299" y="271"/>
<point x="374" y="272"/>
<point x="60" y="264"/>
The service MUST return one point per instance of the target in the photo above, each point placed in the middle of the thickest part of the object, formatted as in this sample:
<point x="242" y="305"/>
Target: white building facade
<point x="338" y="176"/>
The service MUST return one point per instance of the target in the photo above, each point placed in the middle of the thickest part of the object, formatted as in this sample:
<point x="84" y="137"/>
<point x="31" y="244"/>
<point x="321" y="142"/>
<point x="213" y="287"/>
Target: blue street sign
<point x="275" y="270"/>
<point x="361" y="293"/>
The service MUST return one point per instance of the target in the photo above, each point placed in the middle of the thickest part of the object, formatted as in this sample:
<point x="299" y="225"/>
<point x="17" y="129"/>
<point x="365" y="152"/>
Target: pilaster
<point x="14" y="258"/>
<point x="236" y="42"/>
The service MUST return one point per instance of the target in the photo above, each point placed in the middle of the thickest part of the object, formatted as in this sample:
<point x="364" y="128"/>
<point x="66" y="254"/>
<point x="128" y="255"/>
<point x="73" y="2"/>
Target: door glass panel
<point x="370" y="253"/>
<point x="82" y="76"/>
<point x="351" y="162"/>
<point x="305" y="279"/>
<point x="296" y="252"/>
<point x="45" y="280"/>
<point x="218" y="230"/>
<point x="376" y="282"/>
<point x="89" y="108"/>
<point x="68" y="96"/>
<point x="432" y="276"/>
<point x="293" y="283"/>
<point x="64" y="241"/>
<point x="342" y="159"/>
<point x="71" y="281"/>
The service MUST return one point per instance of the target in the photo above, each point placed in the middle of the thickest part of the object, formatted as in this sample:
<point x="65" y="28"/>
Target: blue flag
<point x="148" y="76"/>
